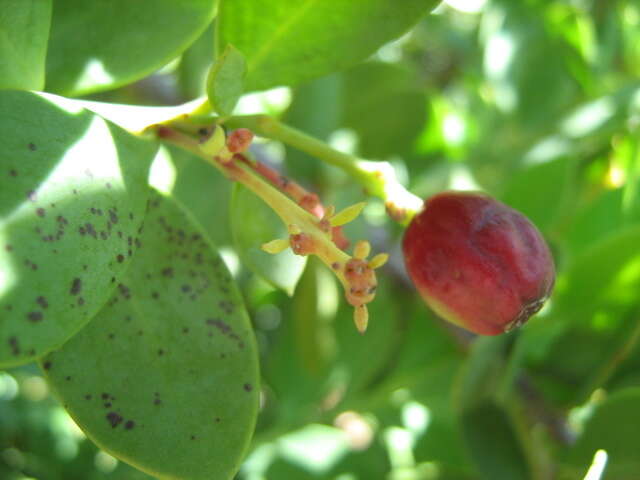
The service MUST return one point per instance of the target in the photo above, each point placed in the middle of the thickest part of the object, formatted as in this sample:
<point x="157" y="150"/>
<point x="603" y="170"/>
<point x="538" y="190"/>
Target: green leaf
<point x="384" y="107"/>
<point x="537" y="191"/>
<point x="225" y="84"/>
<point x="493" y="444"/>
<point x="122" y="41"/>
<point x="254" y="223"/>
<point x="166" y="376"/>
<point x="482" y="371"/>
<point x="74" y="189"/>
<point x="613" y="427"/>
<point x="287" y="43"/>
<point x="608" y="271"/>
<point x="24" y="31"/>
<point x="195" y="64"/>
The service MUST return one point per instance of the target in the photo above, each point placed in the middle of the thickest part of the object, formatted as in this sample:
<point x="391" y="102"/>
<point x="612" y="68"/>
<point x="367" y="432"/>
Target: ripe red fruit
<point x="477" y="262"/>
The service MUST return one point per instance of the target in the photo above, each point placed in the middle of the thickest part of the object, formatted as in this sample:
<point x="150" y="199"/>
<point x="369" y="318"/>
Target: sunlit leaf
<point x="166" y="377"/>
<point x="71" y="208"/>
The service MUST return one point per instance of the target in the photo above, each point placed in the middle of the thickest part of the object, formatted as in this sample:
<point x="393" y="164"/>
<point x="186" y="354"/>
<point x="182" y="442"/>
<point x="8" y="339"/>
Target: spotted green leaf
<point x="71" y="205"/>
<point x="253" y="224"/>
<point x="166" y="376"/>
<point x="101" y="45"/>
<point x="287" y="43"/>
<point x="24" y="31"/>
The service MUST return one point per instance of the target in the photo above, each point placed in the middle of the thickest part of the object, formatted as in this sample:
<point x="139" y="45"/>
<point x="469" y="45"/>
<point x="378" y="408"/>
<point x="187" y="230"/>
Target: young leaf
<point x="225" y="84"/>
<point x="253" y="224"/>
<point x="24" y="32"/>
<point x="166" y="376"/>
<point x="287" y="43"/>
<point x="122" y="41"/>
<point x="74" y="189"/>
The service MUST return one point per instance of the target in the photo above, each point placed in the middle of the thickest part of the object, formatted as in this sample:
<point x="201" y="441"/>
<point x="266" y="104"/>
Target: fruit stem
<point x="378" y="178"/>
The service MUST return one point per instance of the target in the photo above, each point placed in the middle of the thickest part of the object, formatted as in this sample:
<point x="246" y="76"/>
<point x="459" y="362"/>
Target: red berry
<point x="477" y="262"/>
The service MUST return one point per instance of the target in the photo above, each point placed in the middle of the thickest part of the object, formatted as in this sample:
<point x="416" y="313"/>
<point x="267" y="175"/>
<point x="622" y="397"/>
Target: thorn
<point x="361" y="250"/>
<point x="275" y="246"/>
<point x="347" y="215"/>
<point x="361" y="318"/>
<point x="379" y="260"/>
<point x="294" y="229"/>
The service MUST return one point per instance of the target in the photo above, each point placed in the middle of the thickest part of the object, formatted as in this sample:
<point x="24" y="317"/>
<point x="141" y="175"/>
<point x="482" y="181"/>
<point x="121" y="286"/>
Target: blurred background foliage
<point x="534" y="101"/>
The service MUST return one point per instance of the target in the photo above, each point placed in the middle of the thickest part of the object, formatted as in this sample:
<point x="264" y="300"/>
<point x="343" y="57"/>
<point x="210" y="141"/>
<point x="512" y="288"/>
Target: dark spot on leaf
<point x="217" y="419"/>
<point x="167" y="272"/>
<point x="67" y="378"/>
<point x="154" y="295"/>
<point x="113" y="217"/>
<point x="226" y="306"/>
<point x="42" y="302"/>
<point x="82" y="230"/>
<point x="107" y="405"/>
<point x="120" y="258"/>
<point x="13" y="344"/>
<point x="111" y="336"/>
<point x="160" y="352"/>
<point x="186" y="288"/>
<point x="88" y="396"/>
<point x="13" y="173"/>
<point x="31" y="195"/>
<point x="247" y="387"/>
<point x="47" y="365"/>
<point x="108" y="185"/>
<point x="40" y="212"/>
<point x="124" y="290"/>
<point x="34" y="316"/>
<point x="193" y="437"/>
<point x="32" y="146"/>
<point x="8" y="248"/>
<point x="104" y="396"/>
<point x="114" y="419"/>
<point x="76" y="286"/>
<point x="80" y="301"/>
<point x="90" y="230"/>
<point x="185" y="330"/>
<point x="129" y="424"/>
